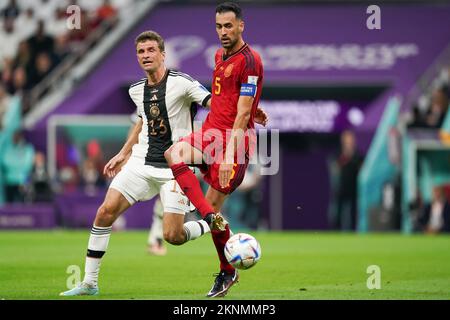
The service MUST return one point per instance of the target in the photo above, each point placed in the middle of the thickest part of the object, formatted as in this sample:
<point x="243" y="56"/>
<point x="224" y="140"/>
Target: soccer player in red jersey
<point x="236" y="89"/>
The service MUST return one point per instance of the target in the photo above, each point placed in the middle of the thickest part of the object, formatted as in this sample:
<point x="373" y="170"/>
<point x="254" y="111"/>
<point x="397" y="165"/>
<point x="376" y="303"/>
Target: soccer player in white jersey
<point x="163" y="99"/>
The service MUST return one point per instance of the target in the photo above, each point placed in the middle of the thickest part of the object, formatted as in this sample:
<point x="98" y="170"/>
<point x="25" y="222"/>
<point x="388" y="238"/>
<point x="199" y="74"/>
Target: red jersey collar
<point x="224" y="58"/>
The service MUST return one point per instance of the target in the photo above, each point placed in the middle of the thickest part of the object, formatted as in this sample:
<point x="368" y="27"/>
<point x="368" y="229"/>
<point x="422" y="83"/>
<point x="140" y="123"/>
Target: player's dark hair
<point x="150" y="35"/>
<point x="230" y="6"/>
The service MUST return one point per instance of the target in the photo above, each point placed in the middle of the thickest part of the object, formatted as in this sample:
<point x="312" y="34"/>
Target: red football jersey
<point x="241" y="69"/>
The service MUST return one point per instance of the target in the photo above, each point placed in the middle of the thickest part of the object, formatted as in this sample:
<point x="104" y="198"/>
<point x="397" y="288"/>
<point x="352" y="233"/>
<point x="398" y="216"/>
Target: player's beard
<point x="230" y="44"/>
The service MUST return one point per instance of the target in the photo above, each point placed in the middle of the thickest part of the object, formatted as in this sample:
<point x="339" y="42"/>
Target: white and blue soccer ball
<point x="242" y="251"/>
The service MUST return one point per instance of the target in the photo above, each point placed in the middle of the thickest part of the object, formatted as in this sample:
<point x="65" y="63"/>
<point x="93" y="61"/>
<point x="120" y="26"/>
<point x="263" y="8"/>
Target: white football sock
<point x="98" y="243"/>
<point x="195" y="229"/>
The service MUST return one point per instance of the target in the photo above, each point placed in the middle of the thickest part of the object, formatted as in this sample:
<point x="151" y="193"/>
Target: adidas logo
<point x="154" y="98"/>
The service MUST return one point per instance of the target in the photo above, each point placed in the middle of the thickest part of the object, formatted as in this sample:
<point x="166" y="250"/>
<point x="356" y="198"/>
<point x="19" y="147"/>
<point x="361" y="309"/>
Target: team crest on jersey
<point x="228" y="70"/>
<point x="154" y="111"/>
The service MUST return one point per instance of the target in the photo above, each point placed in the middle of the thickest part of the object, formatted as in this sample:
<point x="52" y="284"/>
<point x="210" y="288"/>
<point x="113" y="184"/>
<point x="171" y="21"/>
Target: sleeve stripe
<point x="184" y="75"/>
<point x="206" y="100"/>
<point x="249" y="59"/>
<point x="246" y="59"/>
<point x="138" y="83"/>
<point x="252" y="58"/>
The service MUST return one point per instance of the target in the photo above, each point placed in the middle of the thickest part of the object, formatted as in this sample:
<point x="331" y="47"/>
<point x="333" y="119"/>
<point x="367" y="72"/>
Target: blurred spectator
<point x="243" y="207"/>
<point x="40" y="181"/>
<point x="62" y="49"/>
<point x="9" y="42"/>
<point x="416" y="207"/>
<point x="41" y="41"/>
<point x="251" y="192"/>
<point x="45" y="9"/>
<point x="432" y="114"/>
<point x="17" y="164"/>
<point x="27" y="23"/>
<point x="91" y="177"/>
<point x="58" y="27"/>
<point x="43" y="66"/>
<point x="19" y="84"/>
<point x="92" y="169"/>
<point x="106" y="12"/>
<point x="94" y="152"/>
<point x="68" y="176"/>
<point x="19" y="87"/>
<point x="155" y="240"/>
<point x="435" y="217"/>
<point x="67" y="159"/>
<point x="23" y="57"/>
<point x="4" y="104"/>
<point x="348" y="164"/>
<point x="438" y="108"/>
<point x="12" y="10"/>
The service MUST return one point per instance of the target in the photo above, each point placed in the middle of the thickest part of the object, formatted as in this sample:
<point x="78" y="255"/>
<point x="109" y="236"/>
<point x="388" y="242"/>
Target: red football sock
<point x="191" y="187"/>
<point x="220" y="238"/>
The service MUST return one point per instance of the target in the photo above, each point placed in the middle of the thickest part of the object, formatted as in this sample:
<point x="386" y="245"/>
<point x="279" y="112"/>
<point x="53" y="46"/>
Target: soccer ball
<point x="242" y="251"/>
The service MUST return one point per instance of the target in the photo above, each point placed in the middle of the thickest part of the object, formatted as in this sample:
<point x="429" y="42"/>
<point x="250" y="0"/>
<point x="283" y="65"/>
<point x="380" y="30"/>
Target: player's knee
<point x="174" y="237"/>
<point x="105" y="215"/>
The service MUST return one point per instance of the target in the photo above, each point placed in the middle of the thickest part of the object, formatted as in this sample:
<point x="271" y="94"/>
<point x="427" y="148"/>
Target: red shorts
<point x="212" y="144"/>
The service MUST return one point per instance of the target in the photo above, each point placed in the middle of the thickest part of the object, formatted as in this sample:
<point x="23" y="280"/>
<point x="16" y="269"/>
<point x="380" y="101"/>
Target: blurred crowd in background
<point x="432" y="106"/>
<point x="36" y="38"/>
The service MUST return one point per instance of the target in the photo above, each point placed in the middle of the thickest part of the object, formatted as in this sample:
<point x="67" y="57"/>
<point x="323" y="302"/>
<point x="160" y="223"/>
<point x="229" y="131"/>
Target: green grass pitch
<point x="294" y="265"/>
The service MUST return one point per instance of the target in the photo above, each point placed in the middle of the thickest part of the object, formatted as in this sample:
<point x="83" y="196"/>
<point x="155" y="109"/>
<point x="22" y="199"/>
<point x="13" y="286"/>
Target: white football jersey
<point x="167" y="110"/>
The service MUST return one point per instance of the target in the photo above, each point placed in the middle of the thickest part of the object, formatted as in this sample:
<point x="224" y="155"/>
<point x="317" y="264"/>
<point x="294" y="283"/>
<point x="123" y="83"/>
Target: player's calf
<point x="190" y="230"/>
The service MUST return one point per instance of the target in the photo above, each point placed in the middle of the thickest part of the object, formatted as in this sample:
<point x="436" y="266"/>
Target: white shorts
<point x="139" y="182"/>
